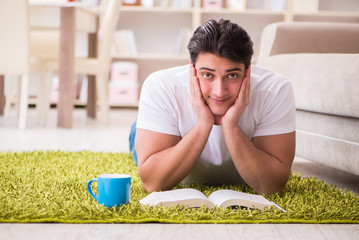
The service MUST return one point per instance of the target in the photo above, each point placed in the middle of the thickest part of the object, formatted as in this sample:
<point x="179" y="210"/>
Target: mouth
<point x="219" y="101"/>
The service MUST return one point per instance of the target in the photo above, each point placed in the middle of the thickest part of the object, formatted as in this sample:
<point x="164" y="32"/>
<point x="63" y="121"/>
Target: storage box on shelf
<point x="124" y="71"/>
<point x="212" y="4"/>
<point x="123" y="93"/>
<point x="123" y="86"/>
<point x="131" y="2"/>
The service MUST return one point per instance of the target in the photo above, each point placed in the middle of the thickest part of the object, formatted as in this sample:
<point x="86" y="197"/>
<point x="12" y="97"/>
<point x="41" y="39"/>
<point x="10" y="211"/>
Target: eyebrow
<point x="228" y="70"/>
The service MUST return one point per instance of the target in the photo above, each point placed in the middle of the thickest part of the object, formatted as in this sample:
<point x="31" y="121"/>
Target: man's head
<point x="224" y="39"/>
<point x="221" y="53"/>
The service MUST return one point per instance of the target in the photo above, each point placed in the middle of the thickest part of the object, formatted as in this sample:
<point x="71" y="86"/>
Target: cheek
<point x="234" y="89"/>
<point x="205" y="87"/>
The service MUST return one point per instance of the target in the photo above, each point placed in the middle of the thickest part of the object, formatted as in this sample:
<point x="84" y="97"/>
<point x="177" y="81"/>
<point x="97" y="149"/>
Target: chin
<point x="219" y="111"/>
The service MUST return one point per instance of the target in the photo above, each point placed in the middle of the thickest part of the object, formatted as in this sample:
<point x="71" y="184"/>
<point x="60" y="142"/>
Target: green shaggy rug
<point x="51" y="187"/>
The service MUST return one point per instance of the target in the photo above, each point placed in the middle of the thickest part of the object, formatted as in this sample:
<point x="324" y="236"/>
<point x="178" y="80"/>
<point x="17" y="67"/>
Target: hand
<point x="203" y="112"/>
<point x="233" y="114"/>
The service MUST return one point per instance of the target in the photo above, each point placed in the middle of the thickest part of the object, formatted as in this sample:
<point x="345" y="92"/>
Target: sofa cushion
<point x="309" y="37"/>
<point x="334" y="127"/>
<point x="324" y="83"/>
<point x="302" y="37"/>
<point x="329" y="140"/>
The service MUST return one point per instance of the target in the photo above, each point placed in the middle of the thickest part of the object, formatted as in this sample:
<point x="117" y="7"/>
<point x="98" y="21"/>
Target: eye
<point x="207" y="75"/>
<point x="232" y="76"/>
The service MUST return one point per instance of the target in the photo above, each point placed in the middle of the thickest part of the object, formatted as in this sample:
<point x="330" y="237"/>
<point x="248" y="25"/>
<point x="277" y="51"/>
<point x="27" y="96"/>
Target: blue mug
<point x="112" y="189"/>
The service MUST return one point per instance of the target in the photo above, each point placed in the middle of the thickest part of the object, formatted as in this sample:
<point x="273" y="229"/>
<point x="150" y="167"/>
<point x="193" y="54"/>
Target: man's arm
<point x="265" y="162"/>
<point x="165" y="160"/>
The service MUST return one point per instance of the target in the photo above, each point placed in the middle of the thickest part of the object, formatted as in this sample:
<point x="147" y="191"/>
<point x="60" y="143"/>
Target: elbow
<point x="150" y="183"/>
<point x="146" y="181"/>
<point x="275" y="184"/>
<point x="272" y="187"/>
<point x="270" y="190"/>
<point x="150" y="187"/>
<point x="153" y="187"/>
<point x="275" y="189"/>
<point x="147" y="187"/>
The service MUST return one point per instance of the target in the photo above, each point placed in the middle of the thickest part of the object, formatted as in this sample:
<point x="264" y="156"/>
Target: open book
<point x="193" y="198"/>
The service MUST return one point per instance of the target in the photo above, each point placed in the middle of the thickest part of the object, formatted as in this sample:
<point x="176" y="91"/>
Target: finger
<point x="245" y="87"/>
<point x="193" y="73"/>
<point x="248" y="71"/>
<point x="248" y="84"/>
<point x="196" y="93"/>
<point x="197" y="89"/>
<point x="195" y="79"/>
<point x="192" y="70"/>
<point x="192" y="80"/>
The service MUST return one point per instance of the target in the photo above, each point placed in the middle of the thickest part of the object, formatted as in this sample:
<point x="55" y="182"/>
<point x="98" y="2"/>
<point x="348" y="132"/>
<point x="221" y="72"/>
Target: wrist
<point x="229" y="125"/>
<point x="204" y="126"/>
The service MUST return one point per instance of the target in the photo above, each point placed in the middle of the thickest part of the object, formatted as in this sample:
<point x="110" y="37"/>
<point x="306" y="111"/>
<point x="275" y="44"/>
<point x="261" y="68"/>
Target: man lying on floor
<point x="218" y="120"/>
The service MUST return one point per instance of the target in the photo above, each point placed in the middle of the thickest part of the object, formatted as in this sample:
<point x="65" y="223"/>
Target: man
<point x="218" y="120"/>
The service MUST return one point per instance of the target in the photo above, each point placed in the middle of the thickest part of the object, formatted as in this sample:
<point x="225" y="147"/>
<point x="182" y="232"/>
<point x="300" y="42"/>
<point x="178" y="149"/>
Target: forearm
<point x="166" y="168"/>
<point x="262" y="171"/>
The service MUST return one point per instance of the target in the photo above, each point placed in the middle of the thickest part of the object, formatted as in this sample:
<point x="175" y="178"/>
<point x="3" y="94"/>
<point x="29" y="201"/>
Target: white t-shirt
<point x="165" y="107"/>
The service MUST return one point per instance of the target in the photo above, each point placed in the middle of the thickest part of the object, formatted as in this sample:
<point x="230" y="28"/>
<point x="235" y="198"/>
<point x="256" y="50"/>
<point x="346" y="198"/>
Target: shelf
<point x="124" y="105"/>
<point x="153" y="56"/>
<point x="238" y="11"/>
<point x="140" y="9"/>
<point x="154" y="9"/>
<point x="77" y="103"/>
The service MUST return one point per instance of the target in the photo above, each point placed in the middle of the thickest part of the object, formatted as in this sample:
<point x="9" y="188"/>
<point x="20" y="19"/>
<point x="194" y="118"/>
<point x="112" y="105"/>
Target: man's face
<point x="220" y="80"/>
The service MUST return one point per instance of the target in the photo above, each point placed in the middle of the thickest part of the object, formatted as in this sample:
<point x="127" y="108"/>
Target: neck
<point x="217" y="120"/>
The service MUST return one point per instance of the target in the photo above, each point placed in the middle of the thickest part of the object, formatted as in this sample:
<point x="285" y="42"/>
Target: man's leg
<point x="132" y="142"/>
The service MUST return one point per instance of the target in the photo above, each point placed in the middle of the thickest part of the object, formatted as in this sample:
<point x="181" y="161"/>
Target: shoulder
<point x="170" y="77"/>
<point x="264" y="79"/>
<point x="166" y="86"/>
<point x="273" y="92"/>
<point x="266" y="84"/>
<point x="164" y="99"/>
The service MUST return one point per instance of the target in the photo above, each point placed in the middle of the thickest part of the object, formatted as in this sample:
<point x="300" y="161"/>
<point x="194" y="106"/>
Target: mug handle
<point x="89" y="189"/>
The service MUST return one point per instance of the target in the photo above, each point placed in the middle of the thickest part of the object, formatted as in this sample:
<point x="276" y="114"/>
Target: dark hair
<point x="224" y="39"/>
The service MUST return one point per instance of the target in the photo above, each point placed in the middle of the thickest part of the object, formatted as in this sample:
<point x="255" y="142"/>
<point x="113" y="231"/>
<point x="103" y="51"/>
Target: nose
<point x="219" y="88"/>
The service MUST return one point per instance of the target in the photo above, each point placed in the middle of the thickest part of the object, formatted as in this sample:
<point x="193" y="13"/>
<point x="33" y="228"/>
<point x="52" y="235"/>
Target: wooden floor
<point x="178" y="231"/>
<point x="88" y="134"/>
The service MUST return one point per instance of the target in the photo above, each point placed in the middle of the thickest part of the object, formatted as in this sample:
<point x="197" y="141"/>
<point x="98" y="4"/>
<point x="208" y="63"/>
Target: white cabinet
<point x="157" y="29"/>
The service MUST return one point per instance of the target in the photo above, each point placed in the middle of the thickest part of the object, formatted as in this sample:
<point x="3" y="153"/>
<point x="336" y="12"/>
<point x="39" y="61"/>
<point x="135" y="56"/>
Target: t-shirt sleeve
<point x="278" y="115"/>
<point x="156" y="109"/>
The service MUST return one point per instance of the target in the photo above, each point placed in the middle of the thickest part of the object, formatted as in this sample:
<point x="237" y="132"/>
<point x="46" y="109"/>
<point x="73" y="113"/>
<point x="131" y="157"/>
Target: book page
<point x="227" y="198"/>
<point x="186" y="197"/>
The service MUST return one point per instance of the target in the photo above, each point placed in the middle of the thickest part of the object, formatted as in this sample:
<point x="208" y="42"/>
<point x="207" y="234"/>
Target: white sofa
<point x="322" y="62"/>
